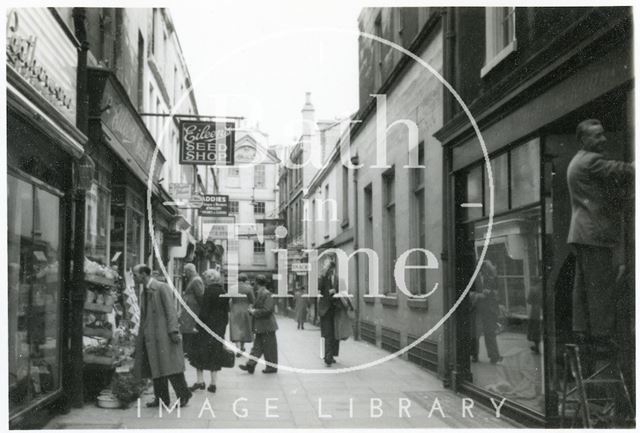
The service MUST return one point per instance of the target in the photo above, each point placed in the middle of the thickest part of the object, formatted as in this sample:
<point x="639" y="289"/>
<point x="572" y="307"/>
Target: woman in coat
<point x="192" y="296"/>
<point x="207" y="352"/>
<point x="240" y="320"/>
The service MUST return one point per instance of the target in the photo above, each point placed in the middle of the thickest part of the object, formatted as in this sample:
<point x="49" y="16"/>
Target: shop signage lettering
<point x="173" y="238"/>
<point x="120" y="121"/>
<point x="206" y="143"/>
<point x="54" y="75"/>
<point x="215" y="205"/>
<point x="180" y="191"/>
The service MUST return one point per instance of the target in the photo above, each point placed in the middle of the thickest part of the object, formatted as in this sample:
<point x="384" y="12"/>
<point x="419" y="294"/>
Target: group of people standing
<point x="166" y="338"/>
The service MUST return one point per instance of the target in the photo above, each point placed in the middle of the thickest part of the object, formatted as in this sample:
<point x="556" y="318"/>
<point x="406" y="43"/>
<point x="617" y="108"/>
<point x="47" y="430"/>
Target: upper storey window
<point x="500" y="36"/>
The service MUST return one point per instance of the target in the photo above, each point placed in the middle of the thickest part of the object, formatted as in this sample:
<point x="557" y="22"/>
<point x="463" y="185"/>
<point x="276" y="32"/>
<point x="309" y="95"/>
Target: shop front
<point x="43" y="145"/>
<point x="507" y="339"/>
<point x="123" y="151"/>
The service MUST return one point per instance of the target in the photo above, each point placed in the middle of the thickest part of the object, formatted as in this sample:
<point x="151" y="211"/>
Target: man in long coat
<point x="596" y="186"/>
<point x="264" y="326"/>
<point x="159" y="345"/>
<point x="327" y="306"/>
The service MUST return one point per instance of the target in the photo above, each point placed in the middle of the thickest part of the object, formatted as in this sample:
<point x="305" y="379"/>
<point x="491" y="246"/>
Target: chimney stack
<point x="308" y="116"/>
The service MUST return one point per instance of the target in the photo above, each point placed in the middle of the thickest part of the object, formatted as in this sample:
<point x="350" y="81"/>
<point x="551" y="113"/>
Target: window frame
<point x="492" y="59"/>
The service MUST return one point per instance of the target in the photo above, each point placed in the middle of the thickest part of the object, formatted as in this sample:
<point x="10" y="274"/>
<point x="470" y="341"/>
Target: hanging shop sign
<point x="173" y="239"/>
<point x="269" y="226"/>
<point x="215" y="205"/>
<point x="180" y="191"/>
<point x="40" y="52"/>
<point x="207" y="143"/>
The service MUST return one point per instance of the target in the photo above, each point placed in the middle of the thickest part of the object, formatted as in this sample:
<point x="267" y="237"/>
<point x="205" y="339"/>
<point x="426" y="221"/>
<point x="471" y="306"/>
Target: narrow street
<point x="295" y="398"/>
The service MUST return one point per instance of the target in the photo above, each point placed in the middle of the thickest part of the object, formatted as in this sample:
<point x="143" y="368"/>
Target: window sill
<point x="418" y="304"/>
<point x="345" y="223"/>
<point x="503" y="54"/>
<point x="389" y="301"/>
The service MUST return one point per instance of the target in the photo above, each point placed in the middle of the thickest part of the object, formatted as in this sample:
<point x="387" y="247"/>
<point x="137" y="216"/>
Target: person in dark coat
<point x="208" y="352"/>
<point x="327" y="306"/>
<point x="265" y="327"/>
<point x="596" y="186"/>
<point x="159" y="344"/>
<point x="240" y="329"/>
<point x="485" y="310"/>
<point x="192" y="296"/>
<point x="300" y="306"/>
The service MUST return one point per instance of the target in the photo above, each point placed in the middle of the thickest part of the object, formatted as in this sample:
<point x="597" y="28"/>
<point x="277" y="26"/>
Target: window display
<point x="33" y="292"/>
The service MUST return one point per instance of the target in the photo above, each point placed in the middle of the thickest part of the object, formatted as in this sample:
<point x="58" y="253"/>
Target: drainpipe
<point x="355" y="160"/>
<point x="75" y="394"/>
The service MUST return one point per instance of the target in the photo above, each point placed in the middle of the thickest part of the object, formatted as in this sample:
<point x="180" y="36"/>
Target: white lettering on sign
<point x="208" y="143"/>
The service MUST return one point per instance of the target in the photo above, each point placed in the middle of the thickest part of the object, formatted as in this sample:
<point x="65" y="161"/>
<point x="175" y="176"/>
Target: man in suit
<point x="326" y="310"/>
<point x="159" y="345"/>
<point x="264" y="326"/>
<point x="596" y="186"/>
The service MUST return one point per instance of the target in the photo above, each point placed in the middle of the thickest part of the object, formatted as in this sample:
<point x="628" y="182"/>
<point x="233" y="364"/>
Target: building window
<point x="327" y="216"/>
<point x="258" y="253"/>
<point x="419" y="277"/>
<point x="234" y="171"/>
<point x="368" y="228"/>
<point x="152" y="42"/>
<point x="345" y="196"/>
<point x="258" y="207"/>
<point x="140" y="71"/>
<point x="258" y="176"/>
<point x="233" y="206"/>
<point x="312" y="230"/>
<point x="500" y="27"/>
<point x="389" y="230"/>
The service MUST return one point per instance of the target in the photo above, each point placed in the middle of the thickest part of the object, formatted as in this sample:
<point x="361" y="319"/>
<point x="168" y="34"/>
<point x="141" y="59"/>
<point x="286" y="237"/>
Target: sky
<point x="257" y="60"/>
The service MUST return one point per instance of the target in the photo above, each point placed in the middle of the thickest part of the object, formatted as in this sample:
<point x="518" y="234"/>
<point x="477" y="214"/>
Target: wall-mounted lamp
<point x="84" y="170"/>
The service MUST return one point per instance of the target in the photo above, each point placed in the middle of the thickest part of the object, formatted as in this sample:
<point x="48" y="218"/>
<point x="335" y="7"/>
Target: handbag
<point x="228" y="358"/>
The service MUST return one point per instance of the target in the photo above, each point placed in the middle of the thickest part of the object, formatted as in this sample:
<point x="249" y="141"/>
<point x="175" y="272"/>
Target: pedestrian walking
<point x="208" y="352"/>
<point x="240" y="328"/>
<point x="597" y="191"/>
<point x="159" y="344"/>
<point x="192" y="296"/>
<point x="264" y="326"/>
<point x="300" y="306"/>
<point x="327" y="306"/>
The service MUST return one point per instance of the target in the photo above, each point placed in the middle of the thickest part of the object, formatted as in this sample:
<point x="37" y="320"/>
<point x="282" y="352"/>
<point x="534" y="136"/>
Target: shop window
<point x="474" y="194"/>
<point x="506" y="309"/>
<point x="525" y="174"/>
<point x="259" y="176"/>
<point x="258" y="208"/>
<point x="389" y="231"/>
<point x="500" y="36"/>
<point x="97" y="218"/>
<point x="34" y="288"/>
<point x="500" y="172"/>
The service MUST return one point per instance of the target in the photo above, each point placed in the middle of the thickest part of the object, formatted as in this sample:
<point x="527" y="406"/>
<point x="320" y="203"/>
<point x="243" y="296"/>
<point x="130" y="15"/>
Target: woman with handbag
<point x="208" y="353"/>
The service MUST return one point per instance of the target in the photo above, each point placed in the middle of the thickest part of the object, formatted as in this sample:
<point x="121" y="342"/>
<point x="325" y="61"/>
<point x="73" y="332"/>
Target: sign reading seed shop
<point x="206" y="143"/>
<point x="215" y="205"/>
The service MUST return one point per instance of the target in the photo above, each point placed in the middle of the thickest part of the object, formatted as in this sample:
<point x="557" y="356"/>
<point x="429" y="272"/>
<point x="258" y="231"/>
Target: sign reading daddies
<point x="206" y="143"/>
<point x="215" y="205"/>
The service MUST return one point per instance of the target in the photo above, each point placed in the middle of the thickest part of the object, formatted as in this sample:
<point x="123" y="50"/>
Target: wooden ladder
<point x="602" y="409"/>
